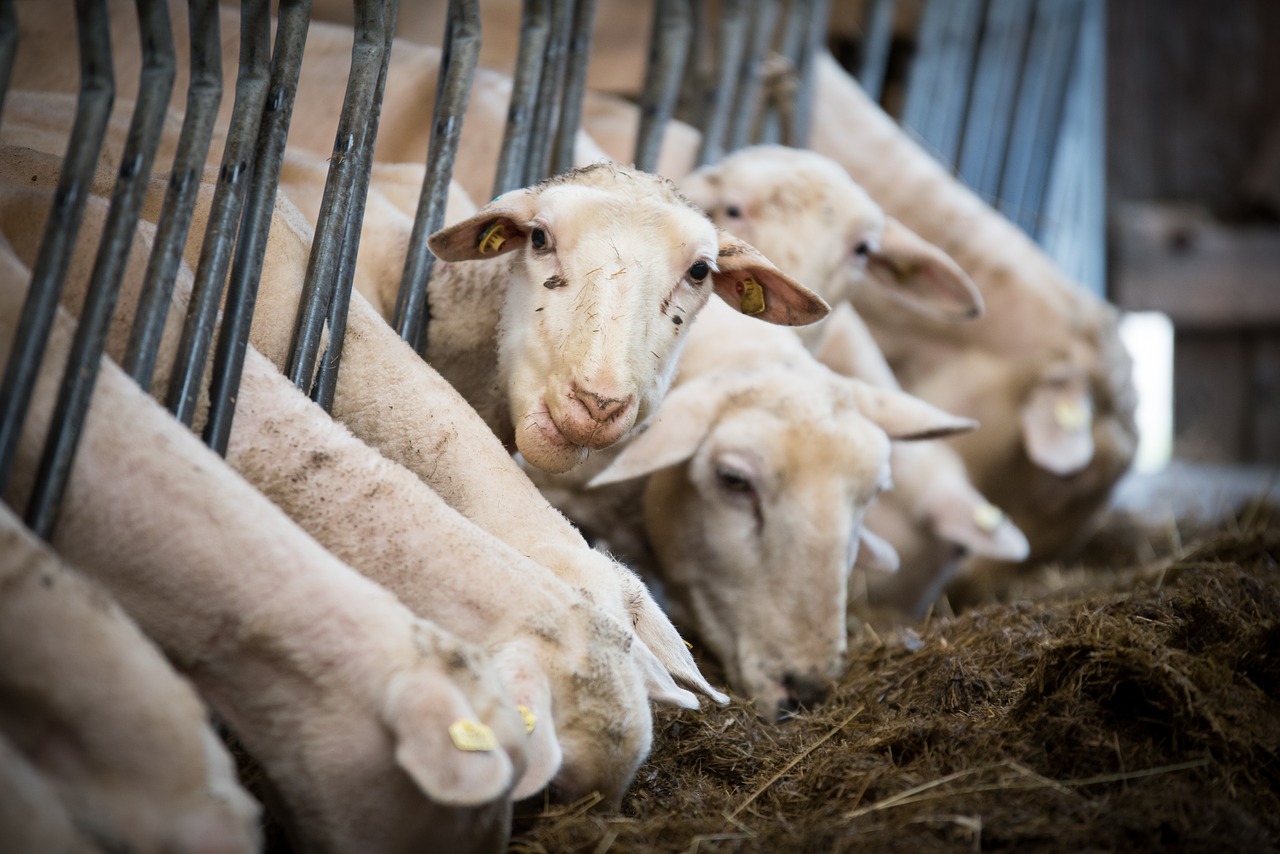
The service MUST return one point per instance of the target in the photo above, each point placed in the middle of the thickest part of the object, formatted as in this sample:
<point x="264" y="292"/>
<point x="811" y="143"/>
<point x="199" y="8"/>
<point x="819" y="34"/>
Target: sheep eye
<point x="732" y="211"/>
<point x="699" y="271"/>
<point x="538" y="238"/>
<point x="734" y="481"/>
<point x="862" y="249"/>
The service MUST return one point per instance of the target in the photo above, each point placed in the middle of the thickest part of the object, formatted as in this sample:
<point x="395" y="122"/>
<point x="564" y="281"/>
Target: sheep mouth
<point x="542" y="443"/>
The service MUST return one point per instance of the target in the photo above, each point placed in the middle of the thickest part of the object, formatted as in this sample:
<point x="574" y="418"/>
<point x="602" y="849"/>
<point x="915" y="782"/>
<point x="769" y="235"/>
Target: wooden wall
<point x="1193" y="150"/>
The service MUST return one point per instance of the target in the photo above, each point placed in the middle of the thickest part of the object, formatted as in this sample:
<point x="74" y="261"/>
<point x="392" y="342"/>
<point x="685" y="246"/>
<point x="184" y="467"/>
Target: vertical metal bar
<point x="8" y="46"/>
<point x="938" y="91"/>
<point x="327" y="374"/>
<point x="453" y="90"/>
<point x="535" y="27"/>
<point x="1039" y="112"/>
<point x="795" y="26"/>
<point x="155" y="86"/>
<point x="251" y="246"/>
<point x="550" y="88"/>
<point x="695" y="83"/>
<point x="877" y="38"/>
<point x="747" y="104"/>
<point x="730" y="47"/>
<point x="204" y="94"/>
<point x="668" y="49"/>
<point x="224" y="211"/>
<point x="815" y="40"/>
<point x="93" y="106"/>
<point x="995" y="83"/>
<point x="353" y="135"/>
<point x="575" y="84"/>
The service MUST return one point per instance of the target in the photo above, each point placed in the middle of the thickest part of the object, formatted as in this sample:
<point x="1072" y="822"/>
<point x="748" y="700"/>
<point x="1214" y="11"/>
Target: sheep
<point x="387" y="395"/>
<point x="32" y="816"/>
<point x="933" y="517"/>
<point x="760" y="466"/>
<point x="1043" y="369"/>
<point x="362" y="716"/>
<point x="120" y="741"/>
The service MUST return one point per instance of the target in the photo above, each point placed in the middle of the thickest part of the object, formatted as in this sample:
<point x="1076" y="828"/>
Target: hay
<point x="1140" y="719"/>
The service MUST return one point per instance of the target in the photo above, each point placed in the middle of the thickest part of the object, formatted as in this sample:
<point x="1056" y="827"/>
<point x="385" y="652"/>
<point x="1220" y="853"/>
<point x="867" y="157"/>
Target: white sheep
<point x="92" y="707"/>
<point x="760" y="465"/>
<point x="377" y="730"/>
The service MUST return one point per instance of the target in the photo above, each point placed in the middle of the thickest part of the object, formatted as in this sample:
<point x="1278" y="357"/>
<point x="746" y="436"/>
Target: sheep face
<point x="608" y="267"/>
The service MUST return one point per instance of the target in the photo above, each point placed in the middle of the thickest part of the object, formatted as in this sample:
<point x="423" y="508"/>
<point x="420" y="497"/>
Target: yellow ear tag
<point x="492" y="238"/>
<point x="1070" y="415"/>
<point x="988" y="517"/>
<point x="750" y="297"/>
<point x="530" y="719"/>
<point x="472" y="736"/>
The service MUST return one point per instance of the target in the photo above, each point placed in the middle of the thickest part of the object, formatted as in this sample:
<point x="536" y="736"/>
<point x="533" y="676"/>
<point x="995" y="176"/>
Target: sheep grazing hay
<point x="1142" y="719"/>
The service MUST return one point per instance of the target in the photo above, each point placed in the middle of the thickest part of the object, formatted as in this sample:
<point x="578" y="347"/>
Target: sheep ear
<point x="875" y="553"/>
<point x="1057" y="424"/>
<point x="847" y="347"/>
<point x="497" y="228"/>
<point x="970" y="521"/>
<point x="700" y="187"/>
<point x="655" y="631"/>
<point x="449" y="752"/>
<point x="658" y="683"/>
<point x="906" y="417"/>
<point x="526" y="685"/>
<point x="678" y="427"/>
<point x="749" y="282"/>
<point x="922" y="275"/>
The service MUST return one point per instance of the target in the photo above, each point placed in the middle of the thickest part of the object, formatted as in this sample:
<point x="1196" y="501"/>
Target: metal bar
<point x="747" y="105"/>
<point x="535" y="26"/>
<point x="668" y="49"/>
<point x="155" y="86"/>
<point x="1039" y="111"/>
<point x="575" y="84"/>
<point x="327" y="374"/>
<point x="224" y="211"/>
<point x="8" y="46"/>
<point x="251" y="246"/>
<point x="203" y="98"/>
<point x="877" y="38"/>
<point x="695" y="83"/>
<point x="938" y="91"/>
<point x="815" y="40"/>
<point x="367" y="52"/>
<point x="93" y="107"/>
<point x="457" y="66"/>
<point x="772" y="120"/>
<point x="550" y="88"/>
<point x="730" y="47"/>
<point x="995" y="85"/>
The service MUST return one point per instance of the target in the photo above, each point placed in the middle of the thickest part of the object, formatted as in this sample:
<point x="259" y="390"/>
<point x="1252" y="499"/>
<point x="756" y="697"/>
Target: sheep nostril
<point x="804" y="690"/>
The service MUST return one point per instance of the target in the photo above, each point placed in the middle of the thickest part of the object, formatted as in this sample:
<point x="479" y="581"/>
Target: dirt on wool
<point x="1145" y="717"/>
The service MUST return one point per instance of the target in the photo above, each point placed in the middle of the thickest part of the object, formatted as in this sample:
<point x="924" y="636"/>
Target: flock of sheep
<point x="391" y="612"/>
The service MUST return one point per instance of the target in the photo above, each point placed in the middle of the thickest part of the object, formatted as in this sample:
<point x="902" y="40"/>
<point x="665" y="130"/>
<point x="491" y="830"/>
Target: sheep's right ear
<point x="969" y="520"/>
<point x="750" y="283"/>
<point x="526" y="685"/>
<point x="1057" y="421"/>
<point x="922" y="275"/>
<point x="676" y="431"/>
<point x="905" y="417"/>
<point x="497" y="228"/>
<point x="875" y="553"/>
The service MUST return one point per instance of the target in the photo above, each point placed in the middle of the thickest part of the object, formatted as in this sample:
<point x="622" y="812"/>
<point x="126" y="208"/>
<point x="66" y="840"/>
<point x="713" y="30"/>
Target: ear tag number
<point x="750" y="297"/>
<point x="492" y="238"/>
<point x="472" y="736"/>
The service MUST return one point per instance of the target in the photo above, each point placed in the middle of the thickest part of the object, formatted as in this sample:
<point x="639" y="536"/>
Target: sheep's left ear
<point x="905" y="417"/>
<point x="747" y="281"/>
<point x="922" y="275"/>
<point x="875" y="553"/>
<point x="969" y="520"/>
<point x="1057" y="422"/>
<point x="497" y="228"/>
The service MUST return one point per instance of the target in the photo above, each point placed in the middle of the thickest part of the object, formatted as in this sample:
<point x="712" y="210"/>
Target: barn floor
<point x="1143" y="718"/>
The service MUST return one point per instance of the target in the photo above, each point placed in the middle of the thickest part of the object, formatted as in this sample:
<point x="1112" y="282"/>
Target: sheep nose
<point x="599" y="406"/>
<point x="803" y="690"/>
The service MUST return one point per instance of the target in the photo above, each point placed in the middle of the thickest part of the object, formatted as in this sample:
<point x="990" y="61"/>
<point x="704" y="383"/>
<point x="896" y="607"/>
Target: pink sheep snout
<point x="596" y="418"/>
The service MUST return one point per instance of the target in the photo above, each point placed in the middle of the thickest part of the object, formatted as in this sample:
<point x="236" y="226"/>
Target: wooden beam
<point x="1202" y="273"/>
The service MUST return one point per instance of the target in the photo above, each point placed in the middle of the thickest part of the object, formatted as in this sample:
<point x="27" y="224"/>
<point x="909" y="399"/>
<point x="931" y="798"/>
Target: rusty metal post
<point x="668" y="50"/>
<point x="90" y="339"/>
<point x="203" y="97"/>
<point x="535" y="27"/>
<point x="224" y="211"/>
<point x="255" y="224"/>
<point x="93" y="107"/>
<point x="453" y="90"/>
